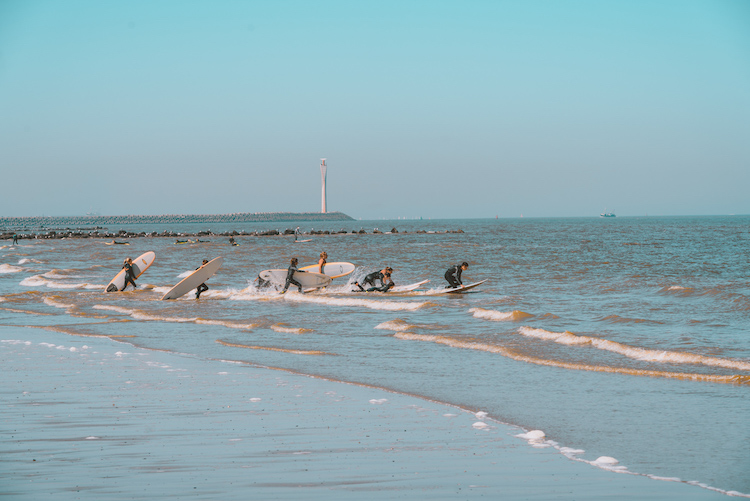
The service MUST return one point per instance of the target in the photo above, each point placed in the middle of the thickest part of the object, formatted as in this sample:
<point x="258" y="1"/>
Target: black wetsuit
<point x="453" y="276"/>
<point x="290" y="278"/>
<point x="201" y="287"/>
<point x="129" y="277"/>
<point x="382" y="288"/>
<point x="370" y="279"/>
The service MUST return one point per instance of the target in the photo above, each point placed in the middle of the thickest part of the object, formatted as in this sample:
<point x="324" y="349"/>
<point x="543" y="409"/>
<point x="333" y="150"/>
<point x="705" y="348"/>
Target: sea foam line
<point x="366" y="303"/>
<point x="643" y="354"/>
<point x="506" y="352"/>
<point x="272" y="348"/>
<point x="140" y="315"/>
<point x="513" y="316"/>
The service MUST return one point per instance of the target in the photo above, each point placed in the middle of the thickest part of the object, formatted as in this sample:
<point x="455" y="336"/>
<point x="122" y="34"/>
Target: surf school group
<point x="307" y="279"/>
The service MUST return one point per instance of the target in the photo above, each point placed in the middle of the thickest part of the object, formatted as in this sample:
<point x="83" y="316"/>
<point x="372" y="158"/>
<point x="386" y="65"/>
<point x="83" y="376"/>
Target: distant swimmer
<point x="290" y="276"/>
<point x="15" y="239"/>
<point x="202" y="287"/>
<point x="180" y="241"/>
<point x="383" y="275"/>
<point x="453" y="275"/>
<point x="232" y="242"/>
<point x="322" y="262"/>
<point x="129" y="277"/>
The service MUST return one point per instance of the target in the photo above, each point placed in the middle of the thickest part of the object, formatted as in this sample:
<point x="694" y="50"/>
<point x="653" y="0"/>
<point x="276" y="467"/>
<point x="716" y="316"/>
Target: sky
<point x="432" y="109"/>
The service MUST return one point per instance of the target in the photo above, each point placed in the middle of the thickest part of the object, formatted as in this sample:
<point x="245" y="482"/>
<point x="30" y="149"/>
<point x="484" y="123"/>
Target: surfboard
<point x="408" y="288"/>
<point x="333" y="270"/>
<point x="463" y="288"/>
<point x="309" y="280"/>
<point x="193" y="280"/>
<point x="303" y="241"/>
<point x="140" y="264"/>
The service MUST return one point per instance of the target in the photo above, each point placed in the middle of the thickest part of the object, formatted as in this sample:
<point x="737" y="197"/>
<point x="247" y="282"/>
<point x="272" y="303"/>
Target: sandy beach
<point x="91" y="418"/>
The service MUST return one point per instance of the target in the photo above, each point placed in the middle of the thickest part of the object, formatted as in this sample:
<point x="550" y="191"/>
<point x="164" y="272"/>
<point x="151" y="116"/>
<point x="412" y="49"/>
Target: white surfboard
<point x="333" y="270"/>
<point x="408" y="288"/>
<point x="309" y="280"/>
<point x="303" y="241"/>
<point x="463" y="288"/>
<point x="193" y="280"/>
<point x="140" y="264"/>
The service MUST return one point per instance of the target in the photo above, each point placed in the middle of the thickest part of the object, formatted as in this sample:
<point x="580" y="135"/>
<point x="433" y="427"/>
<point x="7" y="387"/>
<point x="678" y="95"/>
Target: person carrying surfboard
<point x="381" y="275"/>
<point x="453" y="275"/>
<point x="127" y="265"/>
<point x="290" y="276"/>
<point x="202" y="287"/>
<point x="322" y="262"/>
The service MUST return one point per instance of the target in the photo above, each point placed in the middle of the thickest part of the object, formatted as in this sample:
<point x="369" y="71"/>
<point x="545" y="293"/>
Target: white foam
<point x="480" y="415"/>
<point x="499" y="316"/>
<point x="373" y="304"/>
<point x="480" y="425"/>
<point x="643" y="354"/>
<point x="52" y="302"/>
<point x="41" y="281"/>
<point x="255" y="399"/>
<point x="289" y="330"/>
<point x="378" y="401"/>
<point x="9" y="268"/>
<point x="395" y="325"/>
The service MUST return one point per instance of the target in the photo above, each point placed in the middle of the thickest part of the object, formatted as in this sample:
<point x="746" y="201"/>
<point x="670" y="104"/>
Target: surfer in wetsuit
<point x="290" y="276"/>
<point x="453" y="275"/>
<point x="129" y="277"/>
<point x="202" y="287"/>
<point x="15" y="240"/>
<point x="381" y="275"/>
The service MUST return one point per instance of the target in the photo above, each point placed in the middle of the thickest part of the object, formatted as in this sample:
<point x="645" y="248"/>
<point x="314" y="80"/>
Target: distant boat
<point x="606" y="213"/>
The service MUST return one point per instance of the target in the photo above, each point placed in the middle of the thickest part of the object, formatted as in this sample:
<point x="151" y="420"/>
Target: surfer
<point x="15" y="239"/>
<point x="453" y="275"/>
<point x="381" y="275"/>
<point x="322" y="262"/>
<point x="232" y="242"/>
<point x="296" y="233"/>
<point x="127" y="265"/>
<point x="202" y="287"/>
<point x="290" y="276"/>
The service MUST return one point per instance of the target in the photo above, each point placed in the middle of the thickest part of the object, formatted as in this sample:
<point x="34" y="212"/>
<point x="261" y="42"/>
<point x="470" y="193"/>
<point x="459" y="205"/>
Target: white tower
<point x="323" y="169"/>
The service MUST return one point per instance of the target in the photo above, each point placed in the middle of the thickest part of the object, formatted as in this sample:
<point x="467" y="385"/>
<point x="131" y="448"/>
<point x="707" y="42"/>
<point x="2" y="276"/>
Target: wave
<point x="42" y="281"/>
<point x="142" y="315"/>
<point x="273" y="348"/>
<point x="290" y="330"/>
<point x="373" y="304"/>
<point x="513" y="316"/>
<point x="512" y="354"/>
<point x="27" y="260"/>
<point x="9" y="268"/>
<point x="642" y="354"/>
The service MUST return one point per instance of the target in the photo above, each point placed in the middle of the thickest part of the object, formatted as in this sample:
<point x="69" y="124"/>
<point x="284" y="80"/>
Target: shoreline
<point x="148" y="423"/>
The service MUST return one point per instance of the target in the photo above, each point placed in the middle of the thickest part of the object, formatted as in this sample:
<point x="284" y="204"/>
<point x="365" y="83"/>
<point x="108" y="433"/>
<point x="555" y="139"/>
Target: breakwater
<point x="41" y="222"/>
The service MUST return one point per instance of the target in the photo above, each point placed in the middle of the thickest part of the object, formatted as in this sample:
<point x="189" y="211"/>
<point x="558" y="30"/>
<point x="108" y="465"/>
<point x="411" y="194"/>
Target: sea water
<point x="625" y="340"/>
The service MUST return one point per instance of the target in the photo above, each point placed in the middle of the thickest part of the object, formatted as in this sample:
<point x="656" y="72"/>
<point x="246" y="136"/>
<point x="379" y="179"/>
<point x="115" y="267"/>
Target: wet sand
<point x="91" y="418"/>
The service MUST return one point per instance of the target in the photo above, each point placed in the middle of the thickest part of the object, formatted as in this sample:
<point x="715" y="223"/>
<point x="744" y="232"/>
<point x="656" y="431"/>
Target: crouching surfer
<point x="384" y="275"/>
<point x="453" y="275"/>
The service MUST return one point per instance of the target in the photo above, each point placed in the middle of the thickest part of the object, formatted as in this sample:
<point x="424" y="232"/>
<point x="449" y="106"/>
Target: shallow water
<point x="622" y="337"/>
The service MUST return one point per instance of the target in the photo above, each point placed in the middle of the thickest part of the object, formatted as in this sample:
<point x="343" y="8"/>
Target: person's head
<point x="205" y="261"/>
<point x="129" y="260"/>
<point x="294" y="261"/>
<point x="388" y="270"/>
<point x="464" y="265"/>
<point x="324" y="255"/>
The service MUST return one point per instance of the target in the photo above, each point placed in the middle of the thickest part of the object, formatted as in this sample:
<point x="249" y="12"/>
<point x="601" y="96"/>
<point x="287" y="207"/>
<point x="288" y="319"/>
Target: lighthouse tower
<point x="323" y="169"/>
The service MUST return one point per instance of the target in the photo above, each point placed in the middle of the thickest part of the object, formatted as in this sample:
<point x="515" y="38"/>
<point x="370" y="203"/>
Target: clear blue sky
<point x="440" y="109"/>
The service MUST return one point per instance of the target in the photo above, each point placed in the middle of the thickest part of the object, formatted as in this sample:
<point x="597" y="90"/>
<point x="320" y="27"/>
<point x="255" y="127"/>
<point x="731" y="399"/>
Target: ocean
<point x="625" y="340"/>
